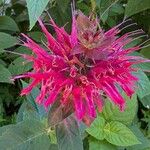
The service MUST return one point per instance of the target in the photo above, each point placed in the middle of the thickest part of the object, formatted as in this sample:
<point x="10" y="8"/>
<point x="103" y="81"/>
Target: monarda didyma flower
<point x="82" y="67"/>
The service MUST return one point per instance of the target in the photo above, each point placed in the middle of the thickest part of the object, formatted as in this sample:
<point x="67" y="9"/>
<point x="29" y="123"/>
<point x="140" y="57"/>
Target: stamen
<point x="144" y="42"/>
<point x="145" y="46"/>
<point x="132" y="24"/>
<point x="12" y="52"/>
<point x="139" y="37"/>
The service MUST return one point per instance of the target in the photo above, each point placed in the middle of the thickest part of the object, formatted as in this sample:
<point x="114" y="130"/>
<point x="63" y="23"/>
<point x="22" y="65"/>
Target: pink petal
<point x="114" y="95"/>
<point x="78" y="103"/>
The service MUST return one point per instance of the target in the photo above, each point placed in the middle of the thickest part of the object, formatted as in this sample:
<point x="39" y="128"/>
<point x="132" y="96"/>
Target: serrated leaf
<point x="136" y="6"/>
<point x="143" y="86"/>
<point x="97" y="128"/>
<point x="6" y="40"/>
<point x="35" y="9"/>
<point x="118" y="134"/>
<point x="8" y="24"/>
<point x="29" y="134"/>
<point x="112" y="113"/>
<point x="5" y="75"/>
<point x="19" y="66"/>
<point x="100" y="145"/>
<point x="68" y="135"/>
<point x="145" y="142"/>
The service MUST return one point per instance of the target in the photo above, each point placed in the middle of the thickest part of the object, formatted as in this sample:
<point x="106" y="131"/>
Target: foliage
<point x="24" y="124"/>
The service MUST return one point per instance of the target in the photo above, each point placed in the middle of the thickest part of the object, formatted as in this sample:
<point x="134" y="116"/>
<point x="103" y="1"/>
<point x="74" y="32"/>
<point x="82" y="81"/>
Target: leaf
<point x="52" y="135"/>
<point x="146" y="52"/>
<point x="104" y="6"/>
<point x="1" y="2"/>
<point x="100" y="145"/>
<point x="145" y="142"/>
<point x="82" y="128"/>
<point x="63" y="4"/>
<point x="68" y="136"/>
<point x="146" y="101"/>
<point x="97" y="128"/>
<point x="31" y="98"/>
<point x="35" y="9"/>
<point x="8" y="24"/>
<point x="143" y="66"/>
<point x="23" y="50"/>
<point x="20" y="50"/>
<point x="118" y="134"/>
<point x="37" y="36"/>
<point x="5" y="75"/>
<point x="19" y="66"/>
<point x="6" y="41"/>
<point x="58" y="112"/>
<point x="29" y="134"/>
<point x="2" y="62"/>
<point x="112" y="113"/>
<point x="26" y="112"/>
<point x="117" y="8"/>
<point x="143" y="86"/>
<point x="136" y="6"/>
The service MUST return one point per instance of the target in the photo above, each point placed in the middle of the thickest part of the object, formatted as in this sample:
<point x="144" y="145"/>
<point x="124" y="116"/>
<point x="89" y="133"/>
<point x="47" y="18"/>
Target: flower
<point x="82" y="67"/>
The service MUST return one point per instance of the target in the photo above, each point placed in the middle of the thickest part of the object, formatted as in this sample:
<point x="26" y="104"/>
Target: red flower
<point x="82" y="66"/>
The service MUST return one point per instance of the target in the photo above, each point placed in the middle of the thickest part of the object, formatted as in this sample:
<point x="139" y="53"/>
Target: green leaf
<point x="35" y="9"/>
<point x="146" y="52"/>
<point x="143" y="66"/>
<point x="20" y="50"/>
<point x="8" y="24"/>
<point x="63" y="4"/>
<point x="118" y="134"/>
<point x="2" y="62"/>
<point x="97" y="128"/>
<point x="68" y="136"/>
<point x="145" y="142"/>
<point x="100" y="145"/>
<point x="146" y="101"/>
<point x="26" y="111"/>
<point x="112" y="113"/>
<point x="104" y="6"/>
<point x="52" y="134"/>
<point x="37" y="36"/>
<point x="23" y="50"/>
<point x="26" y="135"/>
<point x="6" y="41"/>
<point x="31" y="98"/>
<point x="136" y="6"/>
<point x="19" y="66"/>
<point x="117" y="8"/>
<point x="143" y="86"/>
<point x="1" y="1"/>
<point x="5" y="75"/>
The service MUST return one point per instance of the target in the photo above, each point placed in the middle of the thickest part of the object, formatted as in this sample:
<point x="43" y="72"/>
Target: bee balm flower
<point x="82" y="66"/>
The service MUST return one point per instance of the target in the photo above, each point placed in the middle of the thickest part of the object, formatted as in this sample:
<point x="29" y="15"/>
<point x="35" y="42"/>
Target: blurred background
<point x="20" y="16"/>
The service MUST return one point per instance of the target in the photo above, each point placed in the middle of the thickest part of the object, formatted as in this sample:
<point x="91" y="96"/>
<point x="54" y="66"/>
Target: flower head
<point x="83" y="66"/>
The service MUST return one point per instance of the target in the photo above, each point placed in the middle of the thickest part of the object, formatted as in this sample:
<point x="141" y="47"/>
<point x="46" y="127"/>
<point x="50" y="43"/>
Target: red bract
<point x="82" y="67"/>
